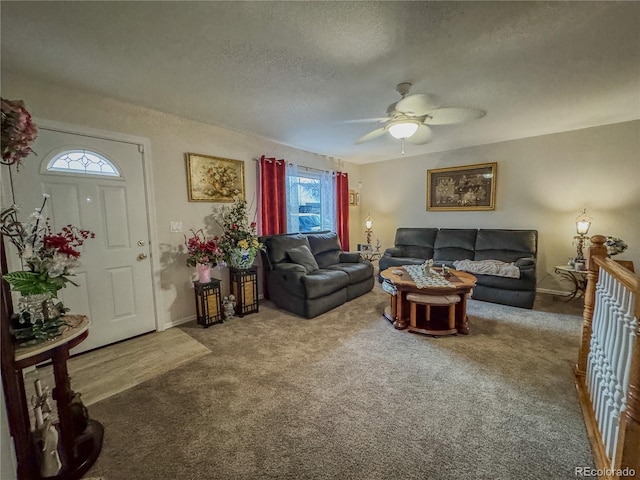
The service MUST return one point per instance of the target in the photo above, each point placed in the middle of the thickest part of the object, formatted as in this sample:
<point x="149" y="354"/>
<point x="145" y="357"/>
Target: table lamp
<point x="368" y="223"/>
<point x="583" y="223"/>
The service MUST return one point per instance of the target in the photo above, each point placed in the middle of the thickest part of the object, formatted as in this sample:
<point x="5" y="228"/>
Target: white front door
<point x="115" y="275"/>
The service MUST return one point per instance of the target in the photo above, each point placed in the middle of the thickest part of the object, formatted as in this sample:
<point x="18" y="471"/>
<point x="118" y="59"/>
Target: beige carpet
<point x="345" y="396"/>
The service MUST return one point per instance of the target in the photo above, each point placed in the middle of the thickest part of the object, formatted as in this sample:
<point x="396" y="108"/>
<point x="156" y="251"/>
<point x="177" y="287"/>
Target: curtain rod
<point x="300" y="166"/>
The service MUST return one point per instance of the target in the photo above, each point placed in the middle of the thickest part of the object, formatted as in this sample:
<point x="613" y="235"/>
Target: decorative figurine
<point x="45" y="432"/>
<point x="427" y="266"/>
<point x="229" y="307"/>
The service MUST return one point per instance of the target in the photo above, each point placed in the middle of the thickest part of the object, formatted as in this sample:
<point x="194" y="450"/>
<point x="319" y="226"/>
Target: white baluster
<point x="629" y="325"/>
<point x="615" y="341"/>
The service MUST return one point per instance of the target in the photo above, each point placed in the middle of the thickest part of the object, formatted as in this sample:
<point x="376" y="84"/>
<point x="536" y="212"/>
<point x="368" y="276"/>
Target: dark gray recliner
<point x="311" y="286"/>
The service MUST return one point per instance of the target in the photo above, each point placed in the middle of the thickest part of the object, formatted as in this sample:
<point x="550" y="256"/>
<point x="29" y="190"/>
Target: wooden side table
<point x="78" y="450"/>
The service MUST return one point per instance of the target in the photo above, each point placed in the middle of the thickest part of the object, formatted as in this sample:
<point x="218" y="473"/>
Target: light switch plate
<point x="176" y="227"/>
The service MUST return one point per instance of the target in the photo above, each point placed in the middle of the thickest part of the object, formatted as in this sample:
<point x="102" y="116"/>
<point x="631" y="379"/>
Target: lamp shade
<point x="583" y="223"/>
<point x="403" y="129"/>
<point x="368" y="223"/>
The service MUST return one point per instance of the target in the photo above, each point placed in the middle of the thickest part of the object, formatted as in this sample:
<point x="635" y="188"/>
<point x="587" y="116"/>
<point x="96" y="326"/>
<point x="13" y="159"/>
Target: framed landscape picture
<point x="472" y="187"/>
<point x="214" y="179"/>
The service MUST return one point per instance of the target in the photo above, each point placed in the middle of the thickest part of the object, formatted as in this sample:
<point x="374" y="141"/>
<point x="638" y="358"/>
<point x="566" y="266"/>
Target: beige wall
<point x="543" y="183"/>
<point x="170" y="138"/>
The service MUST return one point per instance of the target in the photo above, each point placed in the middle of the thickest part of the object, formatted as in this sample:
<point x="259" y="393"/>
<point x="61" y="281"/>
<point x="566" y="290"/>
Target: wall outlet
<point x="176" y="227"/>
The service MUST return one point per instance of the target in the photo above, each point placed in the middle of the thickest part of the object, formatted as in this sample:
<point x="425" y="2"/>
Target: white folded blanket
<point x="488" y="267"/>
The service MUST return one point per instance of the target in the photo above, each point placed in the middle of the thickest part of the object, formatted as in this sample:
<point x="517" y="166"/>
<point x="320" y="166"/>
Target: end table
<point x="244" y="286"/>
<point x="577" y="277"/>
<point x="208" y="302"/>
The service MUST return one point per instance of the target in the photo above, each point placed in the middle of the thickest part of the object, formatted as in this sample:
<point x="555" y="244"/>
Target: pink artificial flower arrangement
<point x="202" y="251"/>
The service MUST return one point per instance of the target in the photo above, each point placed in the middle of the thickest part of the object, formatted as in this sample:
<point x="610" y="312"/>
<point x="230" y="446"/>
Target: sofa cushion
<point x="325" y="248"/>
<point x="388" y="261"/>
<point x="416" y="242"/>
<point x="454" y="244"/>
<point x="303" y="256"/>
<point x="506" y="245"/>
<point x="323" y="282"/>
<point x="276" y="247"/>
<point x="357" y="272"/>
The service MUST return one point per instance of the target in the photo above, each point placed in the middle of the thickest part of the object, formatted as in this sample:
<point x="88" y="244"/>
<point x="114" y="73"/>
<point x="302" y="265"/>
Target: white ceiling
<point x="297" y="72"/>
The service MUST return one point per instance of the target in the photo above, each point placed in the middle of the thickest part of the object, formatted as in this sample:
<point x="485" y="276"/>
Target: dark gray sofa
<point x="446" y="245"/>
<point x="295" y="283"/>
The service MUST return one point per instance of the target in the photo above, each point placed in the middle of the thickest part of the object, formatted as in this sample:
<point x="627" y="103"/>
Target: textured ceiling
<point x="298" y="72"/>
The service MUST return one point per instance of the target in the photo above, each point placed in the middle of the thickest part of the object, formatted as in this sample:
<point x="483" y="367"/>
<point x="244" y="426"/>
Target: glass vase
<point x="37" y="308"/>
<point x="37" y="319"/>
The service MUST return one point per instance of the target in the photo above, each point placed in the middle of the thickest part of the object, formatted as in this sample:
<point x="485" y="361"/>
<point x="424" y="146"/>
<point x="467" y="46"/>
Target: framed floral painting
<point x="214" y="179"/>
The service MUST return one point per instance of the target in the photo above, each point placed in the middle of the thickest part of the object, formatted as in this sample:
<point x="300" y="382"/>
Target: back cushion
<point x="506" y="245"/>
<point x="455" y="244"/>
<point x="416" y="242"/>
<point x="277" y="246"/>
<point x="325" y="247"/>
<point x="418" y="252"/>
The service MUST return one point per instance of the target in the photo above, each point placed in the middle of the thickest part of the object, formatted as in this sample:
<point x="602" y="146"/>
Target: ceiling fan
<point x="409" y="118"/>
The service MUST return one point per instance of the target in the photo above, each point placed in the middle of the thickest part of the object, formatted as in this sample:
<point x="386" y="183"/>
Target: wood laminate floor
<point x="106" y="371"/>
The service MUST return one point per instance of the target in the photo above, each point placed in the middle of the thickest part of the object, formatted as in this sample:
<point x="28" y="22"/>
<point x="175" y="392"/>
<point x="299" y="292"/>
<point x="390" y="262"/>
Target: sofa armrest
<point x="394" y="252"/>
<point x="525" y="262"/>
<point x="349" y="257"/>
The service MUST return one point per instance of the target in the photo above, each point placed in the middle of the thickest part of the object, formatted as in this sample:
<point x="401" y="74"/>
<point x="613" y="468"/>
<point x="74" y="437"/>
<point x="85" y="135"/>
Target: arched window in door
<point x="82" y="161"/>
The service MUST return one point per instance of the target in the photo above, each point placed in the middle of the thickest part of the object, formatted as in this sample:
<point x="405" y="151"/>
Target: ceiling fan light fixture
<point x="403" y="129"/>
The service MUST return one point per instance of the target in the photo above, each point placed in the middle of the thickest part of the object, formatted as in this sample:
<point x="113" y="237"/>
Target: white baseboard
<point x="190" y="318"/>
<point x="180" y="321"/>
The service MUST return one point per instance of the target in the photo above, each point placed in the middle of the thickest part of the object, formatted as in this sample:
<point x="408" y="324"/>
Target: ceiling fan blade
<point x="451" y="115"/>
<point x="416" y="105"/>
<point x="371" y="135"/>
<point x="422" y="135"/>
<point x="367" y="120"/>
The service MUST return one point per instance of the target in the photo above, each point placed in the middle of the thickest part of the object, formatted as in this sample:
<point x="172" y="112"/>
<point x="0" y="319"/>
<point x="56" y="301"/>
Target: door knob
<point x="142" y="256"/>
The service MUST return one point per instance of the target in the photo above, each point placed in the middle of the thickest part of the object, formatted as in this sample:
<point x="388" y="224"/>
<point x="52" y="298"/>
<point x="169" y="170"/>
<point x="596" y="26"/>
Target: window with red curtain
<point x="342" y="209"/>
<point x="273" y="202"/>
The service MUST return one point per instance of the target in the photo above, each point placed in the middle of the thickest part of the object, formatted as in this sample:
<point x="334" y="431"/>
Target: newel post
<point x="597" y="249"/>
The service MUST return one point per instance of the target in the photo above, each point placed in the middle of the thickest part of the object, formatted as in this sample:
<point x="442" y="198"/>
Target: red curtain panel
<point x="342" y="209"/>
<point x="273" y="202"/>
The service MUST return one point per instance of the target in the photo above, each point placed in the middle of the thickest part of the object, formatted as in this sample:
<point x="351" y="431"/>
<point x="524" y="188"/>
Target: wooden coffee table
<point x="398" y="310"/>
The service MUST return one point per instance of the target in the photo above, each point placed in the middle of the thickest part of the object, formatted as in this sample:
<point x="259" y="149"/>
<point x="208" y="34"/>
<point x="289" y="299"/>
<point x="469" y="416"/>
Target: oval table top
<point x="459" y="279"/>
